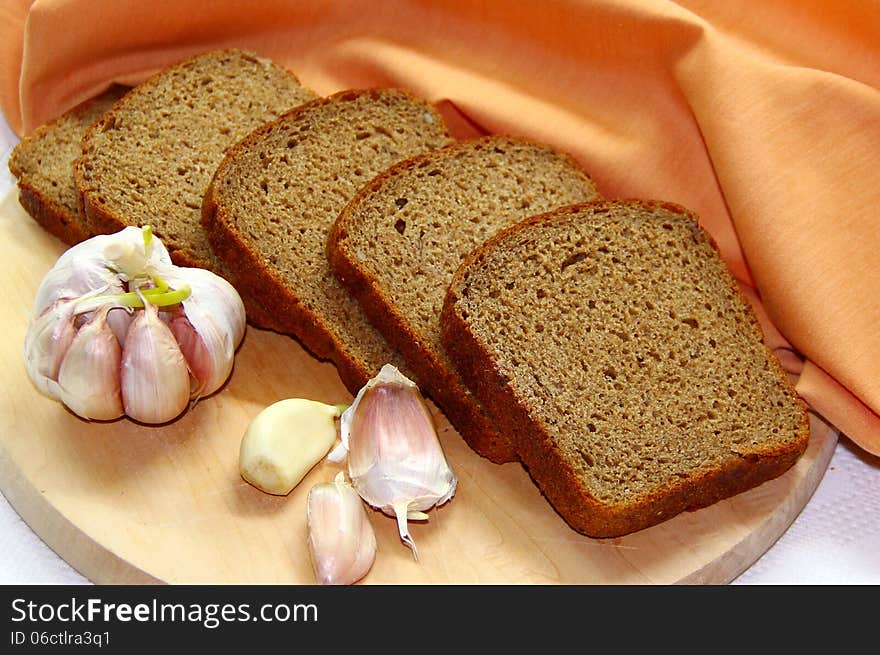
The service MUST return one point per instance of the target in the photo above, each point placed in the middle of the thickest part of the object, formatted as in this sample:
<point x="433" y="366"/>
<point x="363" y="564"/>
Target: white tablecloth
<point x="834" y="540"/>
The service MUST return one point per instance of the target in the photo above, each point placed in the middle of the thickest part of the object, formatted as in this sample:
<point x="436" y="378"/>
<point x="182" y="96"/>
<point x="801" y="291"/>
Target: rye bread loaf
<point x="151" y="158"/>
<point x="397" y="244"/>
<point x="611" y="341"/>
<point x="277" y="193"/>
<point x="42" y="162"/>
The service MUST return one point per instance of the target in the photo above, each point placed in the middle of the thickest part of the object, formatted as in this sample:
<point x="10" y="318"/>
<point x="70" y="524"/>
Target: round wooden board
<point x="125" y="503"/>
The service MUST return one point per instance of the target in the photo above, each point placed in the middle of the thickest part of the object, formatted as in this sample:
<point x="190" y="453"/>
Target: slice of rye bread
<point x="397" y="244"/>
<point x="276" y="195"/>
<point x="42" y="162"/>
<point x="151" y="158"/>
<point x="611" y="341"/>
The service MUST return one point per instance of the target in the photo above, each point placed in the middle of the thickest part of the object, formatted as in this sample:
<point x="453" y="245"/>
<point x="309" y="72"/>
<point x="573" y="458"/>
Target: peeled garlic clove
<point x="155" y="378"/>
<point x="395" y="460"/>
<point x="342" y="543"/>
<point x="88" y="378"/>
<point x="285" y="441"/>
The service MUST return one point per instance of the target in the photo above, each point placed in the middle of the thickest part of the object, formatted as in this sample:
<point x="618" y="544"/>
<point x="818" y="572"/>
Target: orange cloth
<point x="763" y="116"/>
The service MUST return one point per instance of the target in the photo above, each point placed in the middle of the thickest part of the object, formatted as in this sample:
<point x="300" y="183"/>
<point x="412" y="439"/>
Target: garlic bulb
<point x="395" y="460"/>
<point x="342" y="543"/>
<point x="118" y="329"/>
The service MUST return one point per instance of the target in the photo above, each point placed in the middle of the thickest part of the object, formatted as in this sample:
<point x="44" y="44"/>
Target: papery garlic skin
<point x="342" y="543"/>
<point x="100" y="262"/>
<point x="395" y="460"/>
<point x="155" y="378"/>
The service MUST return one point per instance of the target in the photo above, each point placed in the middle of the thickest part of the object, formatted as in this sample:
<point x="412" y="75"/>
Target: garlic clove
<point x="47" y="340"/>
<point x="120" y="319"/>
<point x="285" y="441"/>
<point x="201" y="364"/>
<point x="155" y="378"/>
<point x="342" y="543"/>
<point x="212" y="326"/>
<point x="395" y="460"/>
<point x="88" y="378"/>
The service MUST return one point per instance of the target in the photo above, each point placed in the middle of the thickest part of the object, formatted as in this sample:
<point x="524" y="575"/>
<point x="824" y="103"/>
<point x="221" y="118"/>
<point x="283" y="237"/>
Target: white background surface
<point x="834" y="540"/>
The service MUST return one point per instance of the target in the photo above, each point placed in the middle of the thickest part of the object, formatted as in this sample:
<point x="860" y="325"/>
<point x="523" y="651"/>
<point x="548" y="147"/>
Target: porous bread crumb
<point x="636" y="368"/>
<point x="150" y="160"/>
<point x="418" y="221"/>
<point x="277" y="194"/>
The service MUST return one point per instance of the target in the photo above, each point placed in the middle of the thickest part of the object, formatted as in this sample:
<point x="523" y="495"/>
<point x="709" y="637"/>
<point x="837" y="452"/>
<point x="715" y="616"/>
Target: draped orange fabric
<point x="763" y="116"/>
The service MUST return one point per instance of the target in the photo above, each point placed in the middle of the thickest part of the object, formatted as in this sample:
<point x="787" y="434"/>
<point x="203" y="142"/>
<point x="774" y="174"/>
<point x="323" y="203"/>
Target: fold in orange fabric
<point x="762" y="116"/>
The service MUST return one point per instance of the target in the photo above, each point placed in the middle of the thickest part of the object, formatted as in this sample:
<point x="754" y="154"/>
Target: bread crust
<point x="543" y="460"/>
<point x="53" y="217"/>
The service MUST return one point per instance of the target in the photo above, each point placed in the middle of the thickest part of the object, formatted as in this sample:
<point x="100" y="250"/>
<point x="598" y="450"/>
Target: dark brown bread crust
<point x="101" y="220"/>
<point x="444" y="385"/>
<point x="54" y="218"/>
<point x="543" y="460"/>
<point x="257" y="279"/>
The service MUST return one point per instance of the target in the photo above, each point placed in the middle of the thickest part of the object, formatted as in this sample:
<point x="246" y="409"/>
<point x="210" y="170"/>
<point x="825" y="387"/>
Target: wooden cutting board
<point x="125" y="503"/>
